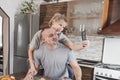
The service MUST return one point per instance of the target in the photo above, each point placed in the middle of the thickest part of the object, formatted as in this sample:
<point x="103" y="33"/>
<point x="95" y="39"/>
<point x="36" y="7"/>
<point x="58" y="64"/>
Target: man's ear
<point x="43" y="40"/>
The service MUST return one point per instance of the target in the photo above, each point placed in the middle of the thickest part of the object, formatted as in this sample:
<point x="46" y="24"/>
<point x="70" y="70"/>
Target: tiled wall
<point x="93" y="51"/>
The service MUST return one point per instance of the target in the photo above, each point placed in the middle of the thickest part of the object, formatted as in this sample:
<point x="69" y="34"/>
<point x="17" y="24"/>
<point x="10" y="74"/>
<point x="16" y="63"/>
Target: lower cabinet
<point x="87" y="73"/>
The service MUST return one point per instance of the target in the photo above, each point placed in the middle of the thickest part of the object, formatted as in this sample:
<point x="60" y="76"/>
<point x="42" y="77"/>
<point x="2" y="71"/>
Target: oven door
<point x="96" y="77"/>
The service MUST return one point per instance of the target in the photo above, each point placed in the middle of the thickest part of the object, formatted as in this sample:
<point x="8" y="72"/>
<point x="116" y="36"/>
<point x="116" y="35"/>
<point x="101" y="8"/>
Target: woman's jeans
<point x="70" y="71"/>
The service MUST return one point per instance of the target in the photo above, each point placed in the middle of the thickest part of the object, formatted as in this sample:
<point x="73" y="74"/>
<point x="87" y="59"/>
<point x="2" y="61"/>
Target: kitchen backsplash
<point x="93" y="52"/>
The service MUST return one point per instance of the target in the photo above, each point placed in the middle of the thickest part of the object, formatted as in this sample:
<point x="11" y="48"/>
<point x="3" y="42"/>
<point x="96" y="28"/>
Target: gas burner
<point x="115" y="67"/>
<point x="109" y="66"/>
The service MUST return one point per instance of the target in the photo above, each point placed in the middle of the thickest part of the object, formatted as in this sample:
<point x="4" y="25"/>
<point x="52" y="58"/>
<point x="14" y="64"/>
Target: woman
<point x="58" y="22"/>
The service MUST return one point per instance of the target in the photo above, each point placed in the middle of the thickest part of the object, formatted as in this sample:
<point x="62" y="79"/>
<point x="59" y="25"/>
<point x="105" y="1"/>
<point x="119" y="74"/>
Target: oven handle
<point x="100" y="78"/>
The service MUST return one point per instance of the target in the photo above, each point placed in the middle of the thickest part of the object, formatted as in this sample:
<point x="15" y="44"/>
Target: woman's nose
<point x="55" y="36"/>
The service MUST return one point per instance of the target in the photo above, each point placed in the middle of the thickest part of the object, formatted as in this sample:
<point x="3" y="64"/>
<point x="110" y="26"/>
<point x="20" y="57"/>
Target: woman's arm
<point x="33" y="69"/>
<point x="65" y="40"/>
<point x="32" y="66"/>
<point x="73" y="46"/>
<point x="34" y="44"/>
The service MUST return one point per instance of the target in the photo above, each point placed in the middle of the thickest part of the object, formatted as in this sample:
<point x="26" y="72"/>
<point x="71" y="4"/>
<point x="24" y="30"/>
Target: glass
<point x="0" y="31"/>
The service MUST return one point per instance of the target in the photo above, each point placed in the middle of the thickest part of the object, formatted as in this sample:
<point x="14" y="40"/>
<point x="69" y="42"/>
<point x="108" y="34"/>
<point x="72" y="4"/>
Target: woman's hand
<point x="86" y="43"/>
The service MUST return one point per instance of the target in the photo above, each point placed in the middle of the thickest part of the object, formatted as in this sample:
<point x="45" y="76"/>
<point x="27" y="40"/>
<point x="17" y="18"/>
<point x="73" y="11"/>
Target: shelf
<point x="84" y="17"/>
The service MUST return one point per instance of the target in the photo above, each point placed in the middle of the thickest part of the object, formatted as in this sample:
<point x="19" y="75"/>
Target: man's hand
<point x="30" y="74"/>
<point x="33" y="71"/>
<point x="77" y="70"/>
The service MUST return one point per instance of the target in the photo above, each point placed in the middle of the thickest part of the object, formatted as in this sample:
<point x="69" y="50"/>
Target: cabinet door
<point x="87" y="73"/>
<point x="111" y="12"/>
<point x="105" y="13"/>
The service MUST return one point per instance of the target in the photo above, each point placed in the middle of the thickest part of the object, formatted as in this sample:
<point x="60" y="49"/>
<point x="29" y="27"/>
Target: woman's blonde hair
<point x="57" y="17"/>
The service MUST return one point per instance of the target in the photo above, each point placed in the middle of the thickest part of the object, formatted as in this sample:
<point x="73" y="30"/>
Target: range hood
<point x="113" y="29"/>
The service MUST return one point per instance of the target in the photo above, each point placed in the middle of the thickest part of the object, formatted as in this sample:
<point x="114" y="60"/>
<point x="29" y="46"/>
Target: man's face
<point x="51" y="37"/>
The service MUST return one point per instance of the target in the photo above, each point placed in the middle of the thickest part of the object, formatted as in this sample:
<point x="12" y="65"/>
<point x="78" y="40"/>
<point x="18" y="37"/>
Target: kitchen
<point x="95" y="21"/>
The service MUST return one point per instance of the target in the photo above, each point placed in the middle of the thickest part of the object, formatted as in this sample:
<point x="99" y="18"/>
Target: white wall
<point x="11" y="7"/>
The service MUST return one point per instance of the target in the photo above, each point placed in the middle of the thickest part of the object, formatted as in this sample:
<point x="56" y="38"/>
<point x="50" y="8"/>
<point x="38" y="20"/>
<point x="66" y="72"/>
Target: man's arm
<point x="37" y="68"/>
<point x="77" y="70"/>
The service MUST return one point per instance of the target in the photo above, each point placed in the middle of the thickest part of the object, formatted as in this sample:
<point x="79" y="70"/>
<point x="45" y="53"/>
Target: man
<point x="54" y="57"/>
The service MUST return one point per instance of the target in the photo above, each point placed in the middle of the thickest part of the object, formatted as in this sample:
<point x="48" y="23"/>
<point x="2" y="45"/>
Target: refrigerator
<point x="26" y="25"/>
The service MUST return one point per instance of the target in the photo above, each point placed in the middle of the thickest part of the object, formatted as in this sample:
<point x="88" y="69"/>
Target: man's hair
<point x="45" y="27"/>
<point x="42" y="34"/>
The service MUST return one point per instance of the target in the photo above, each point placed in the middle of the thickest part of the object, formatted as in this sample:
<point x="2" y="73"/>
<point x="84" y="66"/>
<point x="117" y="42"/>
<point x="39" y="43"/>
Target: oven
<point x="109" y="69"/>
<point x="105" y="72"/>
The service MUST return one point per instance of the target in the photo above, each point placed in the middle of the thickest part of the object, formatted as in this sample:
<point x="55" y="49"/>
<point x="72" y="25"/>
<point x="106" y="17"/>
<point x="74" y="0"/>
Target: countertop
<point x="21" y="76"/>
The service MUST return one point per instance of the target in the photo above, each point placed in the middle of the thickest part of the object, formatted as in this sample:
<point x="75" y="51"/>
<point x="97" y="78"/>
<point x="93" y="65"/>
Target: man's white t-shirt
<point x="54" y="61"/>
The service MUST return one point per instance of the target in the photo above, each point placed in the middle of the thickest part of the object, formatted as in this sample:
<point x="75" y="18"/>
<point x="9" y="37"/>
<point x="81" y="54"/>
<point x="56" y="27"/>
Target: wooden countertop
<point x="19" y="76"/>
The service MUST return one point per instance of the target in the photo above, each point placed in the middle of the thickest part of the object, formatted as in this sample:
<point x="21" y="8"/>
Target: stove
<point x="109" y="69"/>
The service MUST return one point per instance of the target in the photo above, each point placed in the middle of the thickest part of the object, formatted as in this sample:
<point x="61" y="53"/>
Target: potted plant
<point x="27" y="7"/>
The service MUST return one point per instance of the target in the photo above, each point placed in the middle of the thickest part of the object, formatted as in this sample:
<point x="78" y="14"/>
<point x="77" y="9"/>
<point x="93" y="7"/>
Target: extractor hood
<point x="113" y="29"/>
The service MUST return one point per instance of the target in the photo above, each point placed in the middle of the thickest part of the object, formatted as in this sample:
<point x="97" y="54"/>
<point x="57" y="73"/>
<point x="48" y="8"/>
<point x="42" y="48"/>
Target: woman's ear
<point x="53" y="21"/>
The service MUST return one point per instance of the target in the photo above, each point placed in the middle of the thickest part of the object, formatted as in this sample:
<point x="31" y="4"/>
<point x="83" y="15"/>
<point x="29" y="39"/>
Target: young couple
<point x="51" y="37"/>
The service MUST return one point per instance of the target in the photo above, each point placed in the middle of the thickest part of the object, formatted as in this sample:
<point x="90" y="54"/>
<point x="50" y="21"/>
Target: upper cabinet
<point x="111" y="18"/>
<point x="87" y="12"/>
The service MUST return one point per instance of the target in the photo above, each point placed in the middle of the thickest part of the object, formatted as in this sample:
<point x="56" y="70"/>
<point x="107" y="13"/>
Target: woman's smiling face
<point x="58" y="26"/>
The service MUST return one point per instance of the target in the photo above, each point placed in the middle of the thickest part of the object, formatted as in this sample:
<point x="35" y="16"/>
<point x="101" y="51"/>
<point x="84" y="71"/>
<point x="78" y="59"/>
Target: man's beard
<point x="52" y="43"/>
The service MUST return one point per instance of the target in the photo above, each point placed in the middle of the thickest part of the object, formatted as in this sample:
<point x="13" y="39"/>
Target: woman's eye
<point x="60" y="24"/>
<point x="51" y="35"/>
